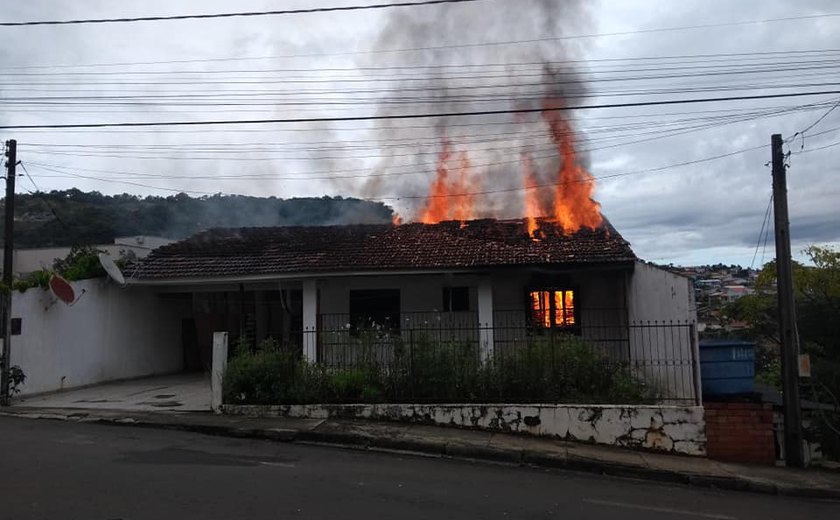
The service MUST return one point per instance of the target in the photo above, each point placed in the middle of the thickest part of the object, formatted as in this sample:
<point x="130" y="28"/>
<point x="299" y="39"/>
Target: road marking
<point x="659" y="509"/>
<point x="278" y="464"/>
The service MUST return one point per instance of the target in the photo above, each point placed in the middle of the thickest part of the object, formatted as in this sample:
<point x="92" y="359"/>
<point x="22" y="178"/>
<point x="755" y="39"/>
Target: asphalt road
<point x="51" y="469"/>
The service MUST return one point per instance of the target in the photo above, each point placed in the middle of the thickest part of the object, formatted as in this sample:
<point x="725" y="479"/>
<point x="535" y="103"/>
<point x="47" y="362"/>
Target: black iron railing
<point x="442" y="356"/>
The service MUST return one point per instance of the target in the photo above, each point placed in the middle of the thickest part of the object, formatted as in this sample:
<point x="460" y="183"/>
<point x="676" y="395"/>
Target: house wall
<point x="663" y="337"/>
<point x="599" y="299"/>
<point x="657" y="294"/>
<point x="418" y="293"/>
<point x="423" y="293"/>
<point x="109" y="333"/>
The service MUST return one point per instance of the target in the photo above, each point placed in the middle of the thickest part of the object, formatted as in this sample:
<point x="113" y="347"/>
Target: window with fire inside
<point x="553" y="309"/>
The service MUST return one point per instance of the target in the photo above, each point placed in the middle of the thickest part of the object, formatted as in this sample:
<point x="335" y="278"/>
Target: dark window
<point x="456" y="299"/>
<point x="552" y="308"/>
<point x="377" y="307"/>
<point x="16" y="325"/>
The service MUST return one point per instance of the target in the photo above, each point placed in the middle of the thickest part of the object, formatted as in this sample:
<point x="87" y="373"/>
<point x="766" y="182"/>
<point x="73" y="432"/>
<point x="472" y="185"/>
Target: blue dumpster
<point x="727" y="366"/>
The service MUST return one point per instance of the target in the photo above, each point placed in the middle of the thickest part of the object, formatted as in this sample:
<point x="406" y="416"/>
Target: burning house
<point x="491" y="283"/>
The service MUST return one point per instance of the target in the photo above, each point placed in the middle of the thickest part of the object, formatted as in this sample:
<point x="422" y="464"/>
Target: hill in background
<point x="74" y="217"/>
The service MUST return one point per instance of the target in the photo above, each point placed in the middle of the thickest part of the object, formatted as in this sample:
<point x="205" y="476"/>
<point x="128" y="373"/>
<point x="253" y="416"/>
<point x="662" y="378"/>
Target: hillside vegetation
<point x="74" y="217"/>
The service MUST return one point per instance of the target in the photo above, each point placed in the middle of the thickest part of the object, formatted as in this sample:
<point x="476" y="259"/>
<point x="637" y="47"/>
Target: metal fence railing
<point x="650" y="359"/>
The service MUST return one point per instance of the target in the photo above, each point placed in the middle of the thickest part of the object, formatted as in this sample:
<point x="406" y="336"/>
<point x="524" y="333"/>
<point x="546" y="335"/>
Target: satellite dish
<point x="111" y="268"/>
<point x="62" y="289"/>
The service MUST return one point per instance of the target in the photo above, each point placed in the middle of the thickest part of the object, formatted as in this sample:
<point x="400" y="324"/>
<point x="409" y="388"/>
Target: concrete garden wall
<point x="676" y="429"/>
<point x="108" y="333"/>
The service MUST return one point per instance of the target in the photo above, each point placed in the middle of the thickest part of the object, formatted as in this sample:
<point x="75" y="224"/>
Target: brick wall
<point x="740" y="432"/>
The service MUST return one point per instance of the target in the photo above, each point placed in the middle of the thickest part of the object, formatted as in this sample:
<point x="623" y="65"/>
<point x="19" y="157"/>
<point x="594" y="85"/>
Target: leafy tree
<point x="817" y="297"/>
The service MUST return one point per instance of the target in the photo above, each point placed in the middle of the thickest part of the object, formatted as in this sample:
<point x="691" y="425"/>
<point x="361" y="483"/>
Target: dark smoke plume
<point x="459" y="87"/>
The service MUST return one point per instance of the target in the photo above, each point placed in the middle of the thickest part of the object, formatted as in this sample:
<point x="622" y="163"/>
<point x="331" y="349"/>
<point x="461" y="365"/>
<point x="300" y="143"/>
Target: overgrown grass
<point x="566" y="369"/>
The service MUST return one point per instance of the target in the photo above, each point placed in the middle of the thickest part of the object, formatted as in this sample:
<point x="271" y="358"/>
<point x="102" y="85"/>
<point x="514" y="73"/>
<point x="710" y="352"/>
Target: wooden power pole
<point x="8" y="252"/>
<point x="787" y="316"/>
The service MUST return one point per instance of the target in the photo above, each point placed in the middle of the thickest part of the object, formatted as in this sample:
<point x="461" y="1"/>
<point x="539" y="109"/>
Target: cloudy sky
<point x="486" y="55"/>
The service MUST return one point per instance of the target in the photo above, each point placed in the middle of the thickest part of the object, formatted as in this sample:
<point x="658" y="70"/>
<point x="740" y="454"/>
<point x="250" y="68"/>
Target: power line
<point x="389" y="128"/>
<point x="764" y="223"/>
<point x="707" y="57"/>
<point x="812" y="125"/>
<point x="417" y="116"/>
<point x="38" y="193"/>
<point x="457" y="138"/>
<point x="581" y="135"/>
<point x="423" y="70"/>
<point x="437" y="47"/>
<point x="233" y="15"/>
<point x="65" y="170"/>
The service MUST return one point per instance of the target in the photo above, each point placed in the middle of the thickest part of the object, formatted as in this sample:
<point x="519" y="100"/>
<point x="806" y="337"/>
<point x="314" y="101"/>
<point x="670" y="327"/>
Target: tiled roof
<point x="318" y="249"/>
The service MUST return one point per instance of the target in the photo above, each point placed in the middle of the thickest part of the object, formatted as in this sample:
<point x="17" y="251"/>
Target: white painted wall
<point x="660" y="298"/>
<point x="675" y="429"/>
<point x="657" y="294"/>
<point x="109" y="333"/>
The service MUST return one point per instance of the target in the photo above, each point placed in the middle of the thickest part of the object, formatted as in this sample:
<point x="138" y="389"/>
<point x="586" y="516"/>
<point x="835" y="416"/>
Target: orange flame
<point x="574" y="207"/>
<point x="532" y="203"/>
<point x="540" y="307"/>
<point x="396" y="219"/>
<point x="560" y="312"/>
<point x="452" y="194"/>
<point x="450" y="199"/>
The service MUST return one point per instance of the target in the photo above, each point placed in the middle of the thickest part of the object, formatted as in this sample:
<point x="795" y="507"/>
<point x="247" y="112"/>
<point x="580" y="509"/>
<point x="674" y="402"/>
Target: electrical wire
<point x="232" y="15"/>
<point x="764" y="223"/>
<point x="391" y="128"/>
<point x="67" y="171"/>
<point x="433" y="140"/>
<point x="419" y="115"/>
<point x="450" y="46"/>
<point x="812" y="125"/>
<point x="709" y="57"/>
<point x="38" y="193"/>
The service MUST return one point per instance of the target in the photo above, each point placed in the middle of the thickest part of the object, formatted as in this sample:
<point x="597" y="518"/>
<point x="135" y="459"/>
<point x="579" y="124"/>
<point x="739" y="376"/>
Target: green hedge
<point x="565" y="369"/>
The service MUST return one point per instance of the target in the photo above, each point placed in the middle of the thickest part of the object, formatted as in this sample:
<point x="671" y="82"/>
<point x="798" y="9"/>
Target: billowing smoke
<point x="471" y="79"/>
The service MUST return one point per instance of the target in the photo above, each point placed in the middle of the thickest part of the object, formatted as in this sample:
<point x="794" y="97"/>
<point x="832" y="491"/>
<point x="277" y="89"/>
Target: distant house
<point x="28" y="260"/>
<point x="486" y="282"/>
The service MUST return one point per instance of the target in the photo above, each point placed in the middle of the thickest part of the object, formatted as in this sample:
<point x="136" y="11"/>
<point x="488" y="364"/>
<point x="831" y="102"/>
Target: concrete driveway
<point x="179" y="392"/>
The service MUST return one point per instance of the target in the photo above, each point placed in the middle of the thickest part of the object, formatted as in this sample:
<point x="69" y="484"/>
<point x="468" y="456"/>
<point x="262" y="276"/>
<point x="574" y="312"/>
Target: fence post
<point x="310" y="321"/>
<point x="486" y="341"/>
<point x="411" y="361"/>
<point x="219" y="363"/>
<point x="695" y="364"/>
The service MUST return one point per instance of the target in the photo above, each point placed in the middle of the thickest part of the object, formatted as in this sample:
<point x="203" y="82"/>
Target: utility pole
<point x="787" y="316"/>
<point x="8" y="251"/>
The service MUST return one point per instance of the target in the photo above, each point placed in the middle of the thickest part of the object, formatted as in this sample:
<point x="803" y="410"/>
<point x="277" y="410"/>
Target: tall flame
<point x="574" y="207"/>
<point x="452" y="195"/>
<point x="532" y="202"/>
<point x="450" y="198"/>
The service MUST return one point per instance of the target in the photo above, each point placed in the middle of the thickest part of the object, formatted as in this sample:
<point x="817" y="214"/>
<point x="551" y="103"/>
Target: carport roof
<point x="248" y="252"/>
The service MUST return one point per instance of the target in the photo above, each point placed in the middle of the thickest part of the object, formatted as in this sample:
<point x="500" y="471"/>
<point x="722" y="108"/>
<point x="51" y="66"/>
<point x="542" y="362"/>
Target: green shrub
<point x="548" y="369"/>
<point x="80" y="264"/>
<point x="262" y="376"/>
<point x="39" y="278"/>
<point x="355" y="384"/>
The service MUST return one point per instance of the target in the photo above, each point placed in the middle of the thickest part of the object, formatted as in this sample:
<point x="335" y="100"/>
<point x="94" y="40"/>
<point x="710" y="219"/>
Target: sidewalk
<point x="450" y="442"/>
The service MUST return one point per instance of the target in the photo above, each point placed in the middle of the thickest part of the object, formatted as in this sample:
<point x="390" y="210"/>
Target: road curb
<point x="353" y="440"/>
